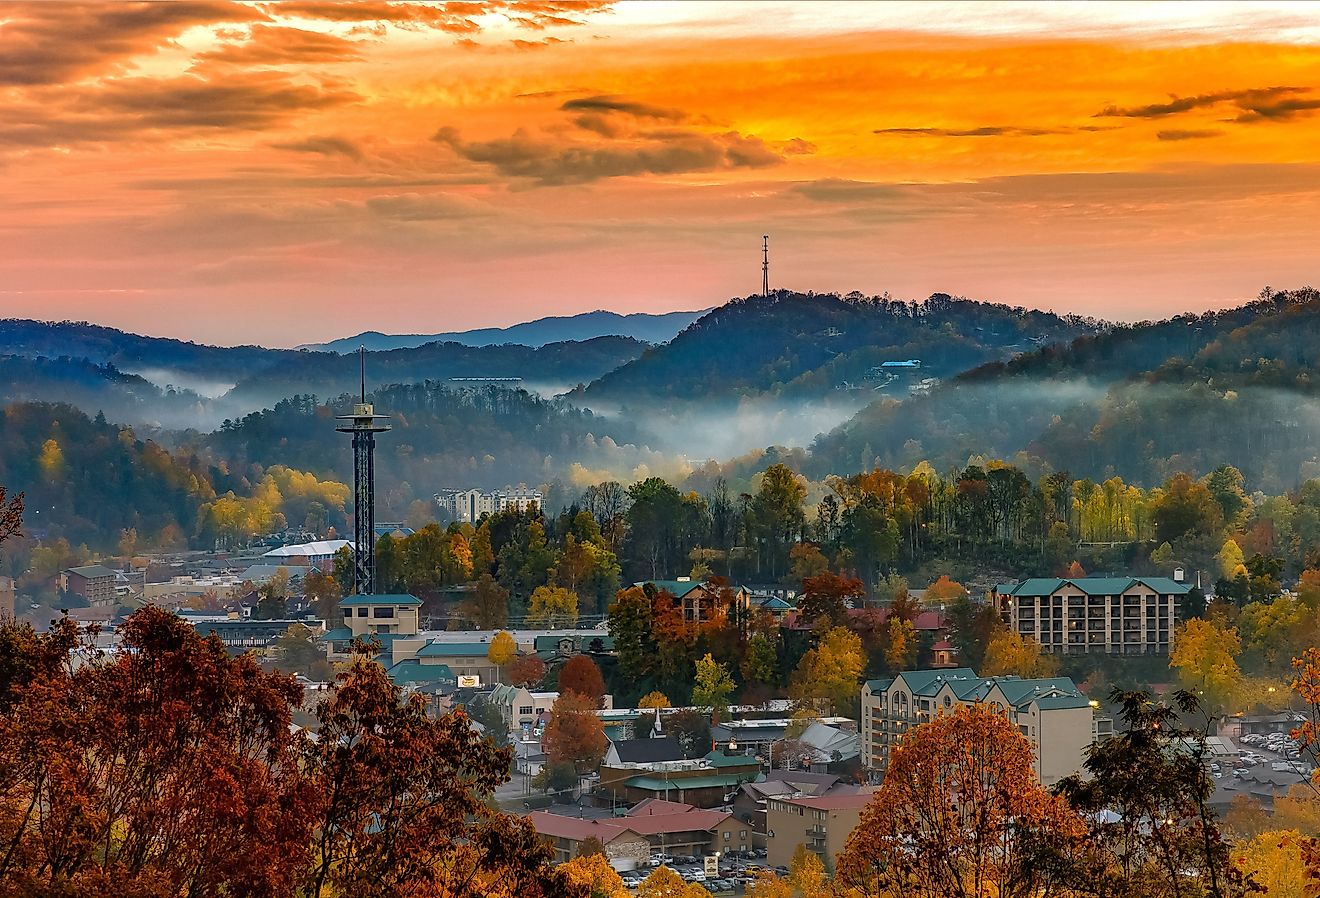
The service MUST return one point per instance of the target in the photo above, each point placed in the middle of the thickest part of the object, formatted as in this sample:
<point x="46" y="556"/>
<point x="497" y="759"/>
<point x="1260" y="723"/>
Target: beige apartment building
<point x="820" y="822"/>
<point x="1058" y="721"/>
<point x="1094" y="615"/>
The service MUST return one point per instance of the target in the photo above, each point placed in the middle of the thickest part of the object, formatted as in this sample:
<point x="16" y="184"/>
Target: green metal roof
<point x="1063" y="701"/>
<point x="879" y="685"/>
<point x="719" y="759"/>
<point x="338" y="634"/>
<point x="412" y="671"/>
<point x="659" y="784"/>
<point x="676" y="588"/>
<point x="401" y="599"/>
<point x="454" y="650"/>
<point x="928" y="682"/>
<point x="1020" y="692"/>
<point x="1092" y="586"/>
<point x="774" y="603"/>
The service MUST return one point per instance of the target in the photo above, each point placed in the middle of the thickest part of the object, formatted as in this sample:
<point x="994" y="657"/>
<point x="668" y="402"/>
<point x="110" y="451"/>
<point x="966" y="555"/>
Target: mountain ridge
<point x="645" y="326"/>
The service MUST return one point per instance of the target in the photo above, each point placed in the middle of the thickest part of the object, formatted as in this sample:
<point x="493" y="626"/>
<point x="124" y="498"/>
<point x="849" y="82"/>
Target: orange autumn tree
<point x="405" y="807"/>
<point x="574" y="734"/>
<point x="166" y="769"/>
<point x="1306" y="685"/>
<point x="961" y="815"/>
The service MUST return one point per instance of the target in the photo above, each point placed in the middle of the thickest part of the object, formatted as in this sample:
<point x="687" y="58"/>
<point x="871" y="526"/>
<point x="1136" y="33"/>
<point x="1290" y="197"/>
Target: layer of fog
<point x="169" y="378"/>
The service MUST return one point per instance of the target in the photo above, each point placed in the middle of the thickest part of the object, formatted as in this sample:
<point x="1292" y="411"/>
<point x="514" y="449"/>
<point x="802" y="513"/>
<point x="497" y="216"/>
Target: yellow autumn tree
<point x="1009" y="654"/>
<point x="654" y="700"/>
<point x="51" y="459"/>
<point x="901" y="651"/>
<point x="1204" y="654"/>
<point x="593" y="874"/>
<point x="665" y="883"/>
<point x="1274" y="860"/>
<point x="461" y="550"/>
<point x="1230" y="559"/>
<point x="502" y="649"/>
<point x="553" y="607"/>
<point x="830" y="672"/>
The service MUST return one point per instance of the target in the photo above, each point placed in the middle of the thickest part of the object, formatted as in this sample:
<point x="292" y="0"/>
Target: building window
<point x="525" y="709"/>
<point x="382" y="612"/>
<point x="742" y="833"/>
<point x="348" y="613"/>
<point x="727" y="835"/>
<point x="362" y="612"/>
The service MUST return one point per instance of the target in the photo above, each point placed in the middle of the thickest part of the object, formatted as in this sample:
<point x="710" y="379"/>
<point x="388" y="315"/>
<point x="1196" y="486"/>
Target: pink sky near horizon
<point x="291" y="173"/>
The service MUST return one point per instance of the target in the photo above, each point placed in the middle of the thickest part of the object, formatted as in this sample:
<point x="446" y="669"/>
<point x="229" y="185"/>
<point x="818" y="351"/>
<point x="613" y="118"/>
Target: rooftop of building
<point x="1092" y="586"/>
<point x="316" y="547"/>
<point x="386" y="599"/>
<point x="835" y="800"/>
<point x="91" y="571"/>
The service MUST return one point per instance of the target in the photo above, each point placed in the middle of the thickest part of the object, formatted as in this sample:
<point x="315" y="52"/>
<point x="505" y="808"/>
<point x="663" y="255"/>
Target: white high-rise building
<point x="469" y="505"/>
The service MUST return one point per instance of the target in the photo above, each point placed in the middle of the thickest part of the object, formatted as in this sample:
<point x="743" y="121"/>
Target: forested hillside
<point x="558" y="366"/>
<point x="1139" y="401"/>
<point x="807" y="345"/>
<point x="442" y="436"/>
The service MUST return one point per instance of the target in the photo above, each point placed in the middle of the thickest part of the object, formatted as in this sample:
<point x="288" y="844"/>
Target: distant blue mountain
<point x="586" y="326"/>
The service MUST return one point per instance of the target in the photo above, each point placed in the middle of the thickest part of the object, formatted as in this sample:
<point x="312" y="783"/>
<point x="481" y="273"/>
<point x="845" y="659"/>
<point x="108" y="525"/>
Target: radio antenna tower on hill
<point x="765" y="266"/>
<point x="364" y="424"/>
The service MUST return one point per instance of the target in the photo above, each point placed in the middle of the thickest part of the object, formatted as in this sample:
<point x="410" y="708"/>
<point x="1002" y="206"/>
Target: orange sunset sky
<point x="289" y="172"/>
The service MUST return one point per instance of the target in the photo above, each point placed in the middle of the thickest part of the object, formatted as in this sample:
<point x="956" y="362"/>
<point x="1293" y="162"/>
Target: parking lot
<point x="737" y="870"/>
<point x="1276" y="751"/>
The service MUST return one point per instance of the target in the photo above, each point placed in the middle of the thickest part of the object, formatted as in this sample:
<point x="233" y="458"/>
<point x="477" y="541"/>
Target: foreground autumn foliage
<point x="171" y="769"/>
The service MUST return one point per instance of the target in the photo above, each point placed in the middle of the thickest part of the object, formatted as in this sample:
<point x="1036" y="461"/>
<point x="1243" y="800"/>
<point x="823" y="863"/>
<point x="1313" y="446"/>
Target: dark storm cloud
<point x="253" y="103"/>
<point x="983" y="131"/>
<point x="1244" y="99"/>
<point x="669" y="152"/>
<point x="609" y="104"/>
<point x="324" y="146"/>
<point x="1177" y="134"/>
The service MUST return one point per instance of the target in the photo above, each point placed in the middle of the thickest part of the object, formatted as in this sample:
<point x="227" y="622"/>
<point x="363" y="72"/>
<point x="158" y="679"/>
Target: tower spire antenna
<point x="364" y="424"/>
<point x="764" y="266"/>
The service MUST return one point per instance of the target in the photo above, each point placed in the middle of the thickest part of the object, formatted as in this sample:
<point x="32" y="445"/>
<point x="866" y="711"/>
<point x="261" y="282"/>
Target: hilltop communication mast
<point x="765" y="266"/>
<point x="364" y="424"/>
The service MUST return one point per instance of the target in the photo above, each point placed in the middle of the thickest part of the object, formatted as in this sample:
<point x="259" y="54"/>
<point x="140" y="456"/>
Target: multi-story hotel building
<point x="467" y="506"/>
<point x="1100" y="615"/>
<point x="1051" y="714"/>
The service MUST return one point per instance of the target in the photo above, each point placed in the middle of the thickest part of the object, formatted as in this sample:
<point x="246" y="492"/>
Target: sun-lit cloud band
<point x="285" y="172"/>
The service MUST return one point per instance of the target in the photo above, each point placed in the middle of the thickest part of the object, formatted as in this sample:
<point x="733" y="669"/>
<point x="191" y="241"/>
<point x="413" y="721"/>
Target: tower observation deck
<point x="364" y="424"/>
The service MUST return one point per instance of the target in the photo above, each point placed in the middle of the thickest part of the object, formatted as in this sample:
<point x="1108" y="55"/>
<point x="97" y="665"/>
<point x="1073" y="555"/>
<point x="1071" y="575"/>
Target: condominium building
<point x="1094" y="615"/>
<point x="820" y="822"/>
<point x="94" y="582"/>
<point x="1051" y="713"/>
<point x="469" y="505"/>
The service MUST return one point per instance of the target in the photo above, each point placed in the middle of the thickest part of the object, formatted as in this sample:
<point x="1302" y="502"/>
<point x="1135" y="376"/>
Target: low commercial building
<point x="707" y="782"/>
<point x="1094" y="615"/>
<point x="1053" y="715"/>
<point x="820" y="822"/>
<point x="520" y="707"/>
<point x="700" y="601"/>
<point x="665" y="827"/>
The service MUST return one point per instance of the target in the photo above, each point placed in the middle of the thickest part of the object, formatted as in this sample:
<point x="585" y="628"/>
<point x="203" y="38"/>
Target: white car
<point x="693" y="876"/>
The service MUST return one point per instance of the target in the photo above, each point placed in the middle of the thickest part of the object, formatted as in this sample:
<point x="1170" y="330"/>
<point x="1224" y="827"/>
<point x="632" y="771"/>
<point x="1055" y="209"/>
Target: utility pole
<point x="765" y="266"/>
